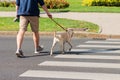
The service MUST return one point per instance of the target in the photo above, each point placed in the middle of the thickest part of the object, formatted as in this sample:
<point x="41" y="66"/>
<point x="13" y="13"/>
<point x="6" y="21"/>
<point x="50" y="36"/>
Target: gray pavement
<point x="109" y="22"/>
<point x="77" y="64"/>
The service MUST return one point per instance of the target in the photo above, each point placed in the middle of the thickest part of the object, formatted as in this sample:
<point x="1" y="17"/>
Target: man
<point x="28" y="12"/>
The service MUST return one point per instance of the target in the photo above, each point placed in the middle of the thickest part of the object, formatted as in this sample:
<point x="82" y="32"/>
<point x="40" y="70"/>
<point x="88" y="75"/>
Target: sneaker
<point x="19" y="54"/>
<point x="39" y="49"/>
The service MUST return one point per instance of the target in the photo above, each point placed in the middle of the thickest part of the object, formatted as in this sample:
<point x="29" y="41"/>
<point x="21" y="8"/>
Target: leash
<point x="58" y="24"/>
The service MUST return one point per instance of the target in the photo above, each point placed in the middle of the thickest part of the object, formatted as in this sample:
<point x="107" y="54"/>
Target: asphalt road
<point x="88" y="60"/>
<point x="11" y="66"/>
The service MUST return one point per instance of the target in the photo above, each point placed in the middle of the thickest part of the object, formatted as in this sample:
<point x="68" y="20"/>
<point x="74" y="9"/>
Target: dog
<point x="62" y="38"/>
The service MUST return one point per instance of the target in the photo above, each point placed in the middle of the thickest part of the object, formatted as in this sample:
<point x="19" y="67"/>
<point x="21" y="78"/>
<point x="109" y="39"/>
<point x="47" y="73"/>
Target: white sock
<point x="35" y="49"/>
<point x="18" y="50"/>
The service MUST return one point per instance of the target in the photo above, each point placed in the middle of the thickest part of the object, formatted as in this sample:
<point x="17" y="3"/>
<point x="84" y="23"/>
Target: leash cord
<point x="58" y="24"/>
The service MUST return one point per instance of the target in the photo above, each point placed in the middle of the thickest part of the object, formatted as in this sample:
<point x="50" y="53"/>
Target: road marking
<point x="115" y="51"/>
<point x="100" y="46"/>
<point x="88" y="57"/>
<point x="79" y="64"/>
<point x="113" y="39"/>
<point x="81" y="75"/>
<point x="103" y="42"/>
<point x="70" y="75"/>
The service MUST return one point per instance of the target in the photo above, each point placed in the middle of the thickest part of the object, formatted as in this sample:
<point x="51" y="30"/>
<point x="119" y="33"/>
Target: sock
<point x="35" y="49"/>
<point x="18" y="50"/>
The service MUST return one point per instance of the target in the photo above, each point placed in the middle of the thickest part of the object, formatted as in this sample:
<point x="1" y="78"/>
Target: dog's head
<point x="70" y="32"/>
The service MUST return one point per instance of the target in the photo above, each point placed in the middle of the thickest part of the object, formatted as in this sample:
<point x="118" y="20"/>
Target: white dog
<point x="62" y="38"/>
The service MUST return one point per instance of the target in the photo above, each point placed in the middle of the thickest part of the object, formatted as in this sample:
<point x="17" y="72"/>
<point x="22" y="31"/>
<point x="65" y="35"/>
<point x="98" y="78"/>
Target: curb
<point x="96" y="35"/>
<point x="79" y="34"/>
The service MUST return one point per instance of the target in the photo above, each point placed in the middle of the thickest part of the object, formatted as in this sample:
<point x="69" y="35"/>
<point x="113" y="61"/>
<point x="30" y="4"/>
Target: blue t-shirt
<point x="29" y="7"/>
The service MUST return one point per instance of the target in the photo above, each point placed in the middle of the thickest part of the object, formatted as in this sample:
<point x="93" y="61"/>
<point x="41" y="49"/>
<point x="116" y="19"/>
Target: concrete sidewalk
<point x="109" y="22"/>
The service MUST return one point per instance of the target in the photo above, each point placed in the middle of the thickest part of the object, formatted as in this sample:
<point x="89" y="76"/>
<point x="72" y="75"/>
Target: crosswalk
<point x="100" y="60"/>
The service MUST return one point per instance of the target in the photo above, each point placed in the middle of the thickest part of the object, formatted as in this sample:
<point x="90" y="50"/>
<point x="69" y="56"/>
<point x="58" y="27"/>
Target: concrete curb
<point x="95" y="35"/>
<point x="79" y="34"/>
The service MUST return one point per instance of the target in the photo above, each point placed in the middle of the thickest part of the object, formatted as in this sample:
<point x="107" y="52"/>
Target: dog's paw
<point x="63" y="52"/>
<point x="70" y="49"/>
<point x="51" y="54"/>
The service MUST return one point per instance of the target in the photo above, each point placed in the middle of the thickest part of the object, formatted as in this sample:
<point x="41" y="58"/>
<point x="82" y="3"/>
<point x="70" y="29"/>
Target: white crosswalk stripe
<point x="61" y="74"/>
<point x="70" y="75"/>
<point x="99" y="46"/>
<point x="80" y="64"/>
<point x="102" y="51"/>
<point x="113" y="39"/>
<point x="88" y="57"/>
<point x="103" y="42"/>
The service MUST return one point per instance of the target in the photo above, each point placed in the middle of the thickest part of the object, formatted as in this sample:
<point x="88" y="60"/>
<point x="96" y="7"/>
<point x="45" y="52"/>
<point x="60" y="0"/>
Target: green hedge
<point x="51" y="4"/>
<point x="101" y="3"/>
<point x="7" y="4"/>
<point x="56" y="4"/>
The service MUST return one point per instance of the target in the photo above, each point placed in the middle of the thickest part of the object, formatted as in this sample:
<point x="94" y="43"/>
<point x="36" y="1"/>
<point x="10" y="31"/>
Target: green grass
<point x="47" y="25"/>
<point x="7" y="8"/>
<point x="75" y="6"/>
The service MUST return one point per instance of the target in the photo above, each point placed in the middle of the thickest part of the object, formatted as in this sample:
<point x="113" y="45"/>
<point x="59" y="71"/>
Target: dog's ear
<point x="71" y="32"/>
<point x="70" y="29"/>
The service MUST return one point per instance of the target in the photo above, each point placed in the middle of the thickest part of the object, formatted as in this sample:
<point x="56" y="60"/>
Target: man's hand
<point x="46" y="10"/>
<point x="49" y="15"/>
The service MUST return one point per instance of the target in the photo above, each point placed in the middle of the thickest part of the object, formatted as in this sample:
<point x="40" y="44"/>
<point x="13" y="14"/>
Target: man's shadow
<point x="47" y="53"/>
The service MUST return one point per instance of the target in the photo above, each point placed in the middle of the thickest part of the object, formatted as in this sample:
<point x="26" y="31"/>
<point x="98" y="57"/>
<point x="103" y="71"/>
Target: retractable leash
<point x="58" y="24"/>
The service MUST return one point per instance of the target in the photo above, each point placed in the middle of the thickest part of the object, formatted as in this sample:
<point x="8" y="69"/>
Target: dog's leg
<point x="62" y="47"/>
<point x="70" y="45"/>
<point x="54" y="43"/>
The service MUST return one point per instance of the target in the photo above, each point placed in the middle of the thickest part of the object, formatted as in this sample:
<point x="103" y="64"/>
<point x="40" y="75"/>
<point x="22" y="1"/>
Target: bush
<point x="101" y="3"/>
<point x="56" y="4"/>
<point x="51" y="4"/>
<point x="7" y="4"/>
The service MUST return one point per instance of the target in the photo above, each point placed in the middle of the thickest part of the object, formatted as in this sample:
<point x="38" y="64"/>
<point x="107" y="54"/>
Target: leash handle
<point x="58" y="24"/>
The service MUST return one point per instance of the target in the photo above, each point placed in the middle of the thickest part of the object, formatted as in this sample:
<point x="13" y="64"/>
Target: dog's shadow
<point x="68" y="52"/>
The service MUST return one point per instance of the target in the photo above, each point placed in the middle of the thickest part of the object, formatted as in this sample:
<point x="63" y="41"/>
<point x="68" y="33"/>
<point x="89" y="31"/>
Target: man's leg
<point x="34" y="22"/>
<point x="23" y="27"/>
<point x="36" y="42"/>
<point x="36" y="39"/>
<point x="20" y="37"/>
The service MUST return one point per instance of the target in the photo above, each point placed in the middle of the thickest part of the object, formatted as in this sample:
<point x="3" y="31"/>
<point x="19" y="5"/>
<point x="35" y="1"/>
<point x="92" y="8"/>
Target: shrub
<point x="51" y="4"/>
<point x="101" y="3"/>
<point x="7" y="4"/>
<point x="12" y="4"/>
<point x="56" y="4"/>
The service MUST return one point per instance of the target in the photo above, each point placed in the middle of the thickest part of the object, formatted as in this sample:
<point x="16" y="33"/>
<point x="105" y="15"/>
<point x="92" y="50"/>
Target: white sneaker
<point x="19" y="53"/>
<point x="39" y="49"/>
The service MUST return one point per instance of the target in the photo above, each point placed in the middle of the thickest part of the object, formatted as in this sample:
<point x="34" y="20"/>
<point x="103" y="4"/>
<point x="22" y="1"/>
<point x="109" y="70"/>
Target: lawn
<point x="46" y="24"/>
<point x="75" y="6"/>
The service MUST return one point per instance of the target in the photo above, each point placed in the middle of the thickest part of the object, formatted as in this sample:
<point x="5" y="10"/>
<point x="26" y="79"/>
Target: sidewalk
<point x="109" y="22"/>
